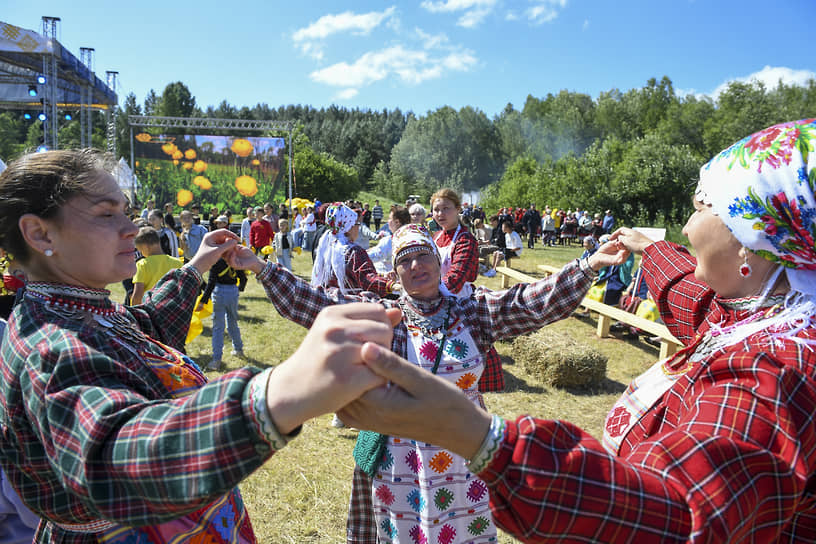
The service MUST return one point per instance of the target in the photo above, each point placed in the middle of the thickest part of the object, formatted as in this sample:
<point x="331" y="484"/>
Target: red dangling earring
<point x="745" y="269"/>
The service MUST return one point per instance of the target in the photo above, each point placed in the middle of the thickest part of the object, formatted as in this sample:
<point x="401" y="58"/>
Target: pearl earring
<point x="49" y="252"/>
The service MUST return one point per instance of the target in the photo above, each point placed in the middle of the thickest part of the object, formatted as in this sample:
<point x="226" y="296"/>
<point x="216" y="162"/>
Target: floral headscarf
<point x="330" y="256"/>
<point x="762" y="188"/>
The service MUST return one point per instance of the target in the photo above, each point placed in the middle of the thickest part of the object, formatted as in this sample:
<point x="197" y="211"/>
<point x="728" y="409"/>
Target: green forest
<point x="636" y="152"/>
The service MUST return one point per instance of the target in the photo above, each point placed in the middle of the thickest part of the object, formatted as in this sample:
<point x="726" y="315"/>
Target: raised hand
<point x="242" y="258"/>
<point x="212" y="248"/>
<point x="633" y="240"/>
<point x="327" y="371"/>
<point x="609" y="254"/>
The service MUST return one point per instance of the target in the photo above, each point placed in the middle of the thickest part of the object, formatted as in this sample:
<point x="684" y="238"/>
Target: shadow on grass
<point x="606" y="387"/>
<point x="513" y="383"/>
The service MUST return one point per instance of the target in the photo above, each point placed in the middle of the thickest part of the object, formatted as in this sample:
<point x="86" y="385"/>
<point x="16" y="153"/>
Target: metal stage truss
<point x="38" y="73"/>
<point x="204" y="123"/>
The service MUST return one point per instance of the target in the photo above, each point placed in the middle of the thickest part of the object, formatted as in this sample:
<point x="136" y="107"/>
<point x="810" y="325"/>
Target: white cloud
<point x="544" y="11"/>
<point x="346" y="94"/>
<point x="411" y="66"/>
<point x="474" y="10"/>
<point x="585" y="26"/>
<point x="431" y="41"/>
<point x="770" y="77"/>
<point x="310" y="38"/>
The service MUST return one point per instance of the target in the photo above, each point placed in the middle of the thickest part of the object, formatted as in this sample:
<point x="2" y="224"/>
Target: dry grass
<point x="301" y="494"/>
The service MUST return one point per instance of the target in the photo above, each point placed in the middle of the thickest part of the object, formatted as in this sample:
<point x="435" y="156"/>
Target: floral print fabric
<point x="762" y="187"/>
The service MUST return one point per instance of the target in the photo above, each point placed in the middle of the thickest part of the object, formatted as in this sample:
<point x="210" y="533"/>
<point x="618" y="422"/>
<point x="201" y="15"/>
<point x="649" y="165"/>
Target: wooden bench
<point x="507" y="273"/>
<point x="606" y="314"/>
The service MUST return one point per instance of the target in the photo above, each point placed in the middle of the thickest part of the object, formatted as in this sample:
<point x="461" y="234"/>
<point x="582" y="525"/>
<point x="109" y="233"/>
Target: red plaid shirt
<point x="727" y="454"/>
<point x="464" y="258"/>
<point x="361" y="274"/>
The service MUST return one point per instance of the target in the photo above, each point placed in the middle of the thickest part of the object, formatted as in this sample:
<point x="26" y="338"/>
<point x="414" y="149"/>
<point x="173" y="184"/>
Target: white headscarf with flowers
<point x="762" y="188"/>
<point x="415" y="238"/>
<point x="330" y="257"/>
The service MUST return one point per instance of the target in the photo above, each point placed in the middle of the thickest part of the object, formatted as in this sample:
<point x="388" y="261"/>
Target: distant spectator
<point x="167" y="237"/>
<point x="366" y="217"/>
<point x="590" y="246"/>
<point x="154" y="265"/>
<point x="512" y="242"/>
<point x="608" y="222"/>
<point x="260" y="232"/>
<point x="246" y="225"/>
<point x="271" y="216"/>
<point x="377" y="214"/>
<point x="547" y="228"/>
<point x="191" y="235"/>
<point x="149" y="205"/>
<point x="531" y="220"/>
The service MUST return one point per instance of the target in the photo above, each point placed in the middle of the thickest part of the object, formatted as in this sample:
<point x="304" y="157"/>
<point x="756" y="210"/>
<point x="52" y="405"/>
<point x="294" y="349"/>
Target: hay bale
<point x="558" y="360"/>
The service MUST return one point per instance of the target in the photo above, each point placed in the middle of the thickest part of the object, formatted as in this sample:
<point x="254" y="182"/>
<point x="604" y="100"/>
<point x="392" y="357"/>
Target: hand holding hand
<point x="633" y="240"/>
<point x="327" y="371"/>
<point x="418" y="405"/>
<point x="609" y="254"/>
<point x="212" y="248"/>
<point x="242" y="258"/>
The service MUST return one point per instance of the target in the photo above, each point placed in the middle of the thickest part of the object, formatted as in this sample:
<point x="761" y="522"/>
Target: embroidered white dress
<point x="423" y="493"/>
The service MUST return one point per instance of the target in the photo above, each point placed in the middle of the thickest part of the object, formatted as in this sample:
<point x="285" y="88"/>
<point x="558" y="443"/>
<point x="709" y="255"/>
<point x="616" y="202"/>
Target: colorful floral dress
<point x="424" y="493"/>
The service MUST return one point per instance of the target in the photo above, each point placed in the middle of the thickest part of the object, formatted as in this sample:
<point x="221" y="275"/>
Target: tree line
<point x="636" y="152"/>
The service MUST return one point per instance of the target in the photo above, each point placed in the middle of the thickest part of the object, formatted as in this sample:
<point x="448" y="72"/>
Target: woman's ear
<point x="35" y="232"/>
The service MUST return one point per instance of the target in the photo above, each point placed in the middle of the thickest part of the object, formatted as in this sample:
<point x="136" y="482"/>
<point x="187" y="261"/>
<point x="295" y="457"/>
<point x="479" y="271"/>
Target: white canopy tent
<point x="125" y="177"/>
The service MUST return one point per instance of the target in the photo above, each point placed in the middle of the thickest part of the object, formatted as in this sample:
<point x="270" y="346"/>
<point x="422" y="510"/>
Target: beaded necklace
<point x="431" y="325"/>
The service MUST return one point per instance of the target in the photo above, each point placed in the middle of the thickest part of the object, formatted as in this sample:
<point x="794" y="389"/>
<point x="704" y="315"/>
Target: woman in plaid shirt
<point x="421" y="491"/>
<point x="109" y="432"/>
<point x="714" y="444"/>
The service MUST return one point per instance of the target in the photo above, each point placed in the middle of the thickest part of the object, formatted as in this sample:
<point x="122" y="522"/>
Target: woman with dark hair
<point x="108" y="432"/>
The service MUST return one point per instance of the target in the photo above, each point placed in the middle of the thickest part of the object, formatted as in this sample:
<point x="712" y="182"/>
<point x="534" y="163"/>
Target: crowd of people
<point x="111" y="433"/>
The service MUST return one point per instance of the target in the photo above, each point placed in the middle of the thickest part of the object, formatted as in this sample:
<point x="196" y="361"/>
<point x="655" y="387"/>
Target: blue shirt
<point x="194" y="238"/>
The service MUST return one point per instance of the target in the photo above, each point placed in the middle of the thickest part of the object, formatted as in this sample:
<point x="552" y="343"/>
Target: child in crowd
<point x="512" y="248"/>
<point x="260" y="232"/>
<point x="167" y="237"/>
<point x="223" y="285"/>
<point x="153" y="266"/>
<point x="284" y="244"/>
<point x="191" y="235"/>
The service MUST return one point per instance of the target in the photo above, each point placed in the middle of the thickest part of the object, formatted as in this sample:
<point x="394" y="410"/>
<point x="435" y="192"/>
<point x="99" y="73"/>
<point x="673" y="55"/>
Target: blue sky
<point x="424" y="54"/>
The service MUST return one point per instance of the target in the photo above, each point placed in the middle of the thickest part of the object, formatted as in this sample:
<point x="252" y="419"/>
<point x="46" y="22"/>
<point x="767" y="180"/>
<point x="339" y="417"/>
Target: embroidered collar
<point x="96" y="301"/>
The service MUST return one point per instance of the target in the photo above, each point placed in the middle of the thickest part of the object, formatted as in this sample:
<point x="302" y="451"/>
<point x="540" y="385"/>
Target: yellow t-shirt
<point x="151" y="269"/>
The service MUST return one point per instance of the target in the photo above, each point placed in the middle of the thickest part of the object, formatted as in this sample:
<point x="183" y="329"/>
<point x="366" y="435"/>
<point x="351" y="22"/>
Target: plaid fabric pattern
<point x="728" y="453"/>
<point x="464" y="259"/>
<point x="490" y="316"/>
<point x="360" y="525"/>
<point x="361" y="274"/>
<point x="89" y="431"/>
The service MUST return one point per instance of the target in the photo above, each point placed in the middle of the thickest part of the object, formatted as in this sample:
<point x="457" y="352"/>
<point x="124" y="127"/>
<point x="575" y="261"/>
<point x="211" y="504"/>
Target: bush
<point x="559" y="361"/>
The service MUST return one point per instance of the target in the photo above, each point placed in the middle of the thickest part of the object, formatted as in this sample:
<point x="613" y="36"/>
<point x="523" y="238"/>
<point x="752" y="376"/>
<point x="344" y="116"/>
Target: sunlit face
<point x="393" y="222"/>
<point x="92" y="238"/>
<point x="717" y="251"/>
<point x="445" y="213"/>
<point x="417" y="216"/>
<point x="419" y="274"/>
<point x="155" y="221"/>
<point x="268" y="210"/>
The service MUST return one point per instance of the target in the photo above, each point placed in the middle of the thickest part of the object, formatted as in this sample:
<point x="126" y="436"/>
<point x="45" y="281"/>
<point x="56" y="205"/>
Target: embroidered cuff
<point x="255" y="407"/>
<point x="490" y="445"/>
<point x="586" y="269"/>
<point x="195" y="272"/>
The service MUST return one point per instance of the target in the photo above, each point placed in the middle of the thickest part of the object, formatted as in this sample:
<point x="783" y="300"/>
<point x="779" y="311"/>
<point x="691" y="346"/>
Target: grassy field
<point x="301" y="494"/>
